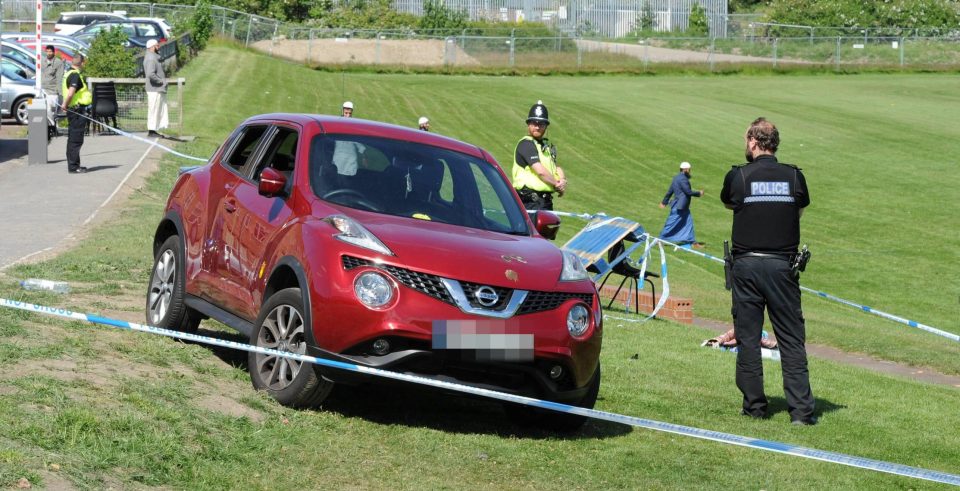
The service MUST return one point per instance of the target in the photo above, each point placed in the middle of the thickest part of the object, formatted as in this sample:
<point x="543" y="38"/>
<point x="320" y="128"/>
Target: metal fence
<point x="132" y="103"/>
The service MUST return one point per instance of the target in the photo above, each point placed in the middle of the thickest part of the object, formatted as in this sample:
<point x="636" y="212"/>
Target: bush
<point x="202" y="23"/>
<point x="441" y="20"/>
<point x="858" y="14"/>
<point x="698" y="25"/>
<point x="109" y="58"/>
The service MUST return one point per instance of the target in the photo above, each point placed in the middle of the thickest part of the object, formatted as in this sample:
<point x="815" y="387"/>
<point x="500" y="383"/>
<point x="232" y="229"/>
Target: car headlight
<point x="578" y="319"/>
<point x="356" y="234"/>
<point x="373" y="289"/>
<point x="573" y="269"/>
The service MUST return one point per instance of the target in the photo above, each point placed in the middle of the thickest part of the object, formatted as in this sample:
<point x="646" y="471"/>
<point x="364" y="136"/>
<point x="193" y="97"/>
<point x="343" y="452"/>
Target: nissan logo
<point x="486" y="296"/>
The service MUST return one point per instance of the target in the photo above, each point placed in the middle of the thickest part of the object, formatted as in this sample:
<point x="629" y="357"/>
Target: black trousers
<point x="536" y="200"/>
<point x="769" y="283"/>
<point x="77" y="126"/>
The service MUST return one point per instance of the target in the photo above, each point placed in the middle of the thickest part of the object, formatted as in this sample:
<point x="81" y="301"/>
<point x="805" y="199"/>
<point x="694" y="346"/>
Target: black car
<point x="138" y="32"/>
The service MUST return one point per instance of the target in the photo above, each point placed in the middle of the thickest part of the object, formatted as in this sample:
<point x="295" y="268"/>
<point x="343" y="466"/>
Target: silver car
<point x="15" y="95"/>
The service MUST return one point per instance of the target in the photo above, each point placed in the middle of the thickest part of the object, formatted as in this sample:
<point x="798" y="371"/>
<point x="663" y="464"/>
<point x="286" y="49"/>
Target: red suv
<point x="379" y="246"/>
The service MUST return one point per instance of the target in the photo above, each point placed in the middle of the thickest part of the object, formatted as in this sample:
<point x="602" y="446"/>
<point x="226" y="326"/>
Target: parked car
<point x="167" y="28"/>
<point x="13" y="71"/>
<point x="139" y="32"/>
<point x="15" y="96"/>
<point x="380" y="246"/>
<point x="65" y="51"/>
<point x="54" y="39"/>
<point x="18" y="54"/>
<point x="71" y="22"/>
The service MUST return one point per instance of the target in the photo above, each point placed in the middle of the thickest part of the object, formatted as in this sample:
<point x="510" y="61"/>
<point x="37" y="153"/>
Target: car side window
<point x="244" y="148"/>
<point x="147" y="30"/>
<point x="281" y="154"/>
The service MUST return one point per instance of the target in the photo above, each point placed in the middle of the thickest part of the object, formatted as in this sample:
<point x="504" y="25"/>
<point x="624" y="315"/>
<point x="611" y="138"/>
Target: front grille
<point x="470" y="290"/>
<point x="422" y="282"/>
<point x="543" y="301"/>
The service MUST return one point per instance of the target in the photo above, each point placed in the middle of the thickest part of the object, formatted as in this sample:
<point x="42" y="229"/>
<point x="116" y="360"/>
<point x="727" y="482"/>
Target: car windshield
<point x="413" y="180"/>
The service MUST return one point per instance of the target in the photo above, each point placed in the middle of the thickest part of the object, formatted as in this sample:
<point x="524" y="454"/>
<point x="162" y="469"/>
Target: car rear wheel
<point x="281" y="326"/>
<point x="20" y="111"/>
<point x="528" y="416"/>
<point x="165" y="306"/>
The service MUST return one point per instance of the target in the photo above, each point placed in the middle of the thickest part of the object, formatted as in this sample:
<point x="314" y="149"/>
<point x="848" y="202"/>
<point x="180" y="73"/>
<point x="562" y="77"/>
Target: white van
<point x="71" y="22"/>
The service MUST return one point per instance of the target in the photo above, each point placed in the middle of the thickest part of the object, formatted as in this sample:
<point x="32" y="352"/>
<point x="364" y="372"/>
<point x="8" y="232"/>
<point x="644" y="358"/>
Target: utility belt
<point x="798" y="260"/>
<point x="532" y="194"/>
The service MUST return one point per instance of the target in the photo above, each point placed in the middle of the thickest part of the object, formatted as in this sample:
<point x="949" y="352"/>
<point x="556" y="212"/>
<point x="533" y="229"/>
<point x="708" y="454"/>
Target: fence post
<point x="273" y="40"/>
<point x="377" y="62"/>
<point x="902" y="40"/>
<point x="836" y="59"/>
<point x="579" y="52"/>
<point x="310" y="46"/>
<point x="513" y="42"/>
<point x="776" y="42"/>
<point x="646" y="53"/>
<point x="180" y="105"/>
<point x="710" y="55"/>
<point x="249" y="25"/>
<point x="463" y="40"/>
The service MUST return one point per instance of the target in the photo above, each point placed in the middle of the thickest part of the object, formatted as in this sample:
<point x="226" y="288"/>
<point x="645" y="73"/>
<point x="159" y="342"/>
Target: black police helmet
<point x="538" y="112"/>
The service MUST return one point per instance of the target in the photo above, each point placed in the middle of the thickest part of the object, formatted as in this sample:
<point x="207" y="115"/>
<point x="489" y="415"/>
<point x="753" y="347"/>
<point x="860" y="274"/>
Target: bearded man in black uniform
<point x="767" y="199"/>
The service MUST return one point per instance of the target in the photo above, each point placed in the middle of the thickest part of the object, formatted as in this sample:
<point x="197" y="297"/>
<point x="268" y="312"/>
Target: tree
<point x="436" y="15"/>
<point x="698" y="25"/>
<point x="645" y="21"/>
<point x="202" y="23"/>
<point x="109" y="58"/>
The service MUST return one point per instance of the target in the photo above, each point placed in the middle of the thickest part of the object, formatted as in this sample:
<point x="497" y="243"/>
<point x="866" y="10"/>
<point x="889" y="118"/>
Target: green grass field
<point x="92" y="408"/>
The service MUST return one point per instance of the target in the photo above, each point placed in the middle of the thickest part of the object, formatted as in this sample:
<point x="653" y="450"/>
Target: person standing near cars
<point x="679" y="225"/>
<point x="156" y="87"/>
<point x="347" y="109"/>
<point x="76" y="102"/>
<point x="424" y="123"/>
<point x="767" y="199"/>
<point x="536" y="175"/>
<point x="52" y="73"/>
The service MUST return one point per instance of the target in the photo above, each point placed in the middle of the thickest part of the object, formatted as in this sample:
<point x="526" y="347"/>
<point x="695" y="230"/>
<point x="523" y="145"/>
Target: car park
<point x="379" y="246"/>
<point x="56" y="39"/>
<point x="167" y="28"/>
<point x="13" y="71"/>
<point x="138" y="32"/>
<point x="18" y="54"/>
<point x="15" y="96"/>
<point x="65" y="51"/>
<point x="71" y="22"/>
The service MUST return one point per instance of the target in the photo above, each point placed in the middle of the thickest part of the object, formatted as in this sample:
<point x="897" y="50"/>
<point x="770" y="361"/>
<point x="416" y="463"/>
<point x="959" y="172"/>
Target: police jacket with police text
<point x="766" y="198"/>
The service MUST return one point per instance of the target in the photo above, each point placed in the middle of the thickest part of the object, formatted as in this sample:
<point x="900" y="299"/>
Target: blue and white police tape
<point x="828" y="296"/>
<point x="768" y="445"/>
<point x="138" y="138"/>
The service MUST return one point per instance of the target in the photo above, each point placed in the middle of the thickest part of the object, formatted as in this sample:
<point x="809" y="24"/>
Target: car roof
<point x="93" y="12"/>
<point x="357" y="126"/>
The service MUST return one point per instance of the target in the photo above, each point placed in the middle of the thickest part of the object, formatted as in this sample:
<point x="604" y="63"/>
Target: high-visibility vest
<point x="526" y="176"/>
<point x="82" y="96"/>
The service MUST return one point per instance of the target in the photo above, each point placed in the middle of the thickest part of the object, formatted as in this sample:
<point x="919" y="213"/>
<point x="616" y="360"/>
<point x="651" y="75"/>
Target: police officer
<point x="536" y="175"/>
<point x="76" y="101"/>
<point x="767" y="199"/>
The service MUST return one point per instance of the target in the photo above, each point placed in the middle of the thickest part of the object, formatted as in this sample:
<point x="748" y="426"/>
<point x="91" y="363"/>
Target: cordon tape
<point x="864" y="308"/>
<point x="139" y="138"/>
<point x="731" y="439"/>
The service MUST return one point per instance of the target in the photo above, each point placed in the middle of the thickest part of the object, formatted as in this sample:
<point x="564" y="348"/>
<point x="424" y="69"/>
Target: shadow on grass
<point x="823" y="406"/>
<point x="399" y="403"/>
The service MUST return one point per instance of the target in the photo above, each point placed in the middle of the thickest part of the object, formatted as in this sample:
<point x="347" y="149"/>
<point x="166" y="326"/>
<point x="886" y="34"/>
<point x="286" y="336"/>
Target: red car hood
<point x="468" y="254"/>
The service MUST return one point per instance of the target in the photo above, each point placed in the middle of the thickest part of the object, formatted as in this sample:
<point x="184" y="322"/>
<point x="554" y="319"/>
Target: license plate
<point x="491" y="340"/>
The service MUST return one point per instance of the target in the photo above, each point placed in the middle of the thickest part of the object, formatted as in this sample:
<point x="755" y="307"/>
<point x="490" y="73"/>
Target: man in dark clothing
<point x="679" y="225"/>
<point x="76" y="102"/>
<point x="536" y="175"/>
<point x="767" y="199"/>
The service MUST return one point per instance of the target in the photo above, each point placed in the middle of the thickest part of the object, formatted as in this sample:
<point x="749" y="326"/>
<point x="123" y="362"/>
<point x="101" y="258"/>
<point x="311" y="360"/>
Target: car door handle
<point x="230" y="206"/>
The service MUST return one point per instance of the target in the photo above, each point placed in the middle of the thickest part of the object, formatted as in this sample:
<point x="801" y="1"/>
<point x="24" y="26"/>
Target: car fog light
<point x="577" y="320"/>
<point x="373" y="289"/>
<point x="381" y="347"/>
<point x="556" y="372"/>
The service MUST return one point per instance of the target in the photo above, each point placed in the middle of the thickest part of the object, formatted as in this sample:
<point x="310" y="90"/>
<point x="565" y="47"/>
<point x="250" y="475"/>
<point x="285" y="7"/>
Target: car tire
<point x="281" y="326"/>
<point x="19" y="110"/>
<point x="527" y="416"/>
<point x="165" y="306"/>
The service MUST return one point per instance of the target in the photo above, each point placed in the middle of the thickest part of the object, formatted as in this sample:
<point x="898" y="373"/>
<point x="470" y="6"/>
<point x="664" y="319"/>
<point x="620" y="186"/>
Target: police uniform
<point x="77" y="105"/>
<point x="534" y="193"/>
<point x="767" y="198"/>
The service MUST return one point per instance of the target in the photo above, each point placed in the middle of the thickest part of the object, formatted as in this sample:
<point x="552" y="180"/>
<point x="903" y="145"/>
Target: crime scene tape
<point x="728" y="438"/>
<point x="864" y="308"/>
<point x="138" y="138"/>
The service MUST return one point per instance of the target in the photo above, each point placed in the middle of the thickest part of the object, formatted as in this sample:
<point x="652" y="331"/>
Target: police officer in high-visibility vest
<point x="536" y="175"/>
<point x="76" y="102"/>
<point x="767" y="199"/>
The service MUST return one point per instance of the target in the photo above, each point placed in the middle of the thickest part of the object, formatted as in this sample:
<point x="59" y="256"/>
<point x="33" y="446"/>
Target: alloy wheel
<point x="161" y="288"/>
<point x="282" y="330"/>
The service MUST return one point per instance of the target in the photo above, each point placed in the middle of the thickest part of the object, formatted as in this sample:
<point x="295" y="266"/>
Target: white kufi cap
<point x="685" y="165"/>
<point x="423" y="120"/>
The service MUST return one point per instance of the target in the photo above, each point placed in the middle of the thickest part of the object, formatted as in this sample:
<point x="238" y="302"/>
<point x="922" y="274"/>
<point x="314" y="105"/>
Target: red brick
<point x="676" y="308"/>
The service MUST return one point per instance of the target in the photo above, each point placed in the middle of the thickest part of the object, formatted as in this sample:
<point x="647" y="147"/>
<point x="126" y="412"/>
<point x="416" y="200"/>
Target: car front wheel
<point x="165" y="306"/>
<point x="20" y="111"/>
<point x="281" y="326"/>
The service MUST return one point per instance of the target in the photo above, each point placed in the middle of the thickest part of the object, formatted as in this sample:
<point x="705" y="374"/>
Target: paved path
<point x="43" y="205"/>
<point x="661" y="55"/>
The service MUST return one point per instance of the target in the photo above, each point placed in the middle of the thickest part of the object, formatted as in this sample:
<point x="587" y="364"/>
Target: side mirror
<point x="547" y="224"/>
<point x="272" y="182"/>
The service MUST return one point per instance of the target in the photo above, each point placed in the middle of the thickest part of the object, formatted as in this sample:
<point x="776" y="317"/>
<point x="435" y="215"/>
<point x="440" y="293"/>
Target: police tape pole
<point x="138" y="138"/>
<point x="768" y="445"/>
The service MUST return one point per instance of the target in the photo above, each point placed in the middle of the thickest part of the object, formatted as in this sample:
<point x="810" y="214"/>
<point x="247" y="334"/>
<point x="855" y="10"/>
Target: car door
<point x="264" y="216"/>
<point x="221" y="262"/>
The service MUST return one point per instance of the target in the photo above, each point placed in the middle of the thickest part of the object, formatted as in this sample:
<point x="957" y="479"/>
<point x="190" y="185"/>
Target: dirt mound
<point x="414" y="52"/>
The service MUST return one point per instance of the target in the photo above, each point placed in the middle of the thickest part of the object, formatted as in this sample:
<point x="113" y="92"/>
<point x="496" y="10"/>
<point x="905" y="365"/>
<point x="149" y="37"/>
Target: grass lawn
<point x="91" y="407"/>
